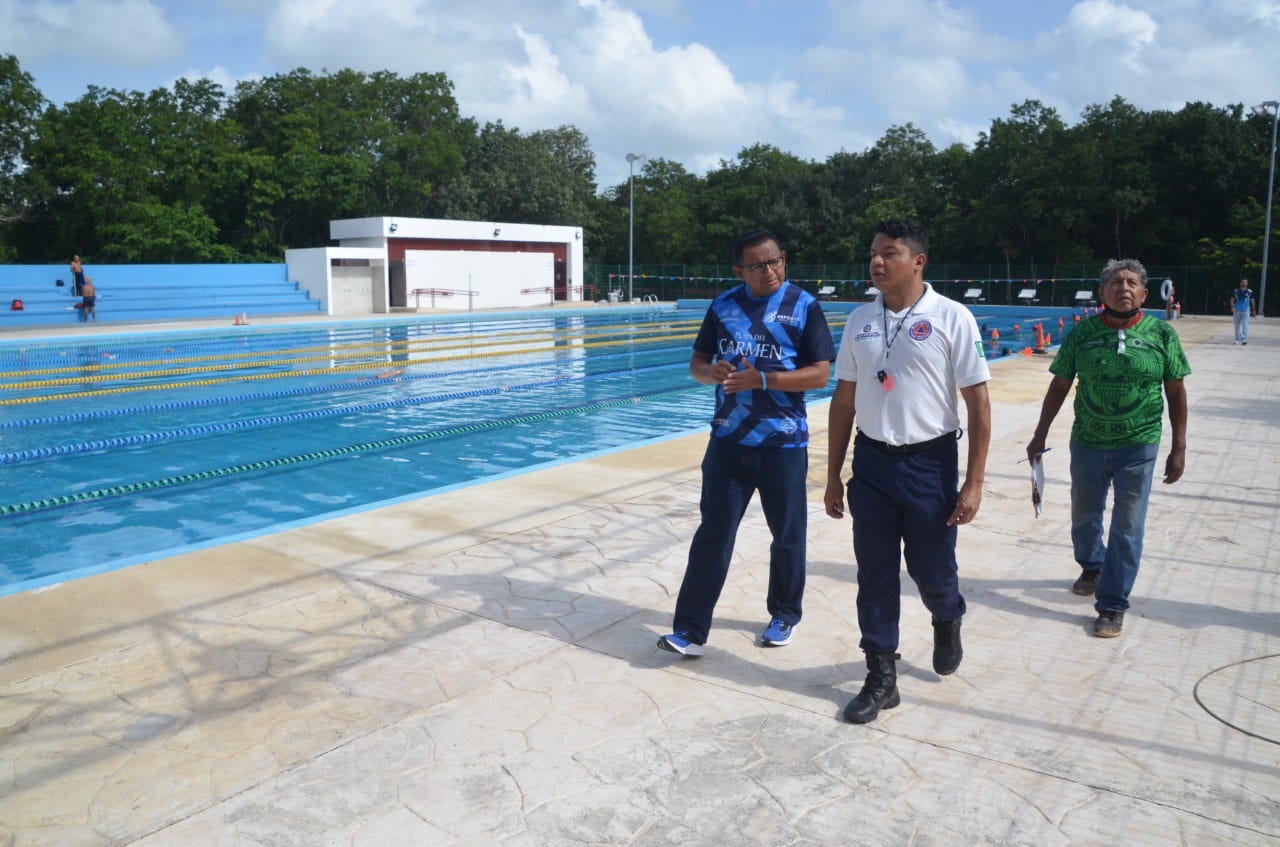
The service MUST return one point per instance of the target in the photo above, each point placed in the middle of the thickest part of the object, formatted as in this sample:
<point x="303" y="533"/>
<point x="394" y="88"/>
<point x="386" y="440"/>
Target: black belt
<point x="902" y="449"/>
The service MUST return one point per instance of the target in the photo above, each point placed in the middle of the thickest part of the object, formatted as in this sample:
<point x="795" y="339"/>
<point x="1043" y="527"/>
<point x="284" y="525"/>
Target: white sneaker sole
<point x="689" y="650"/>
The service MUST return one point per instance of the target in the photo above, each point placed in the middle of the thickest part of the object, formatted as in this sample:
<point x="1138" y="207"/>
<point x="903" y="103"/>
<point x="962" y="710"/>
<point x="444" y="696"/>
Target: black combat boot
<point x="880" y="691"/>
<point x="946" y="646"/>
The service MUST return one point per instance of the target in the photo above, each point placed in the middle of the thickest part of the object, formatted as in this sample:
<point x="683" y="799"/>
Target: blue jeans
<point x="1128" y="471"/>
<point x="731" y="474"/>
<point x="1241" y="321"/>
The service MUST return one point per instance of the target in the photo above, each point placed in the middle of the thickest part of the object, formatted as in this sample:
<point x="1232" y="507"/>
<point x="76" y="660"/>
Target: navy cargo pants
<point x="900" y="503"/>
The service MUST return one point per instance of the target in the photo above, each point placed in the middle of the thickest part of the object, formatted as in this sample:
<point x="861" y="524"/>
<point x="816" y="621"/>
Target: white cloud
<point x="924" y="62"/>
<point x="1163" y="55"/>
<point x="1100" y="32"/>
<point x="124" y="32"/>
<point x="542" y="63"/>
<point x="909" y="29"/>
<point x="221" y="76"/>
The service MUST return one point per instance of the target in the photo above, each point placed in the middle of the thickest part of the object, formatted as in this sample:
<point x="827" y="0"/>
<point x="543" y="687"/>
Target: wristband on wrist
<point x="764" y="381"/>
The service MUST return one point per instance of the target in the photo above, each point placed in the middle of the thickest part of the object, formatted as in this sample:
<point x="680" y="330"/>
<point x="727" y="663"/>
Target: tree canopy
<point x="190" y="172"/>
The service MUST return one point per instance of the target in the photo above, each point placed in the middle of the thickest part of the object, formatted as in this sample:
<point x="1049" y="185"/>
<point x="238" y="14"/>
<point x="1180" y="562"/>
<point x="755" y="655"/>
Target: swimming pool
<point x="120" y="449"/>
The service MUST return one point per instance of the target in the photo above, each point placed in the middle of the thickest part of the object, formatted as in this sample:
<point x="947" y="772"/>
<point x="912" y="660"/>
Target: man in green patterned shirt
<point x="1122" y="360"/>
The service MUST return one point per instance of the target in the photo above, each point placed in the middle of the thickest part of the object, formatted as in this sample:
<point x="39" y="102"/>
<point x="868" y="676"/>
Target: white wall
<point x="373" y="232"/>
<point x="497" y="277"/>
<point x="312" y="269"/>
<point x="352" y="290"/>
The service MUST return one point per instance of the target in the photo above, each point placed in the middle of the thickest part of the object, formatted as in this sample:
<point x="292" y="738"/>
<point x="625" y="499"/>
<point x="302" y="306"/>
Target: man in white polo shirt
<point x="901" y="362"/>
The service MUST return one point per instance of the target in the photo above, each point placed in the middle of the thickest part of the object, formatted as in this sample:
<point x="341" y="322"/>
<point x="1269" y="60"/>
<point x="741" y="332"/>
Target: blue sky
<point x="694" y="81"/>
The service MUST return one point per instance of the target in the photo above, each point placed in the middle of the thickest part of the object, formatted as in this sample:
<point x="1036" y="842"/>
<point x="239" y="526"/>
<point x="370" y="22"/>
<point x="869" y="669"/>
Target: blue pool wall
<point x="151" y="292"/>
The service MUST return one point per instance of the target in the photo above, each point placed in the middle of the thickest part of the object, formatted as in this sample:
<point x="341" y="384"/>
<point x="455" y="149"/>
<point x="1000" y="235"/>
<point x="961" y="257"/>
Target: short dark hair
<point x="907" y="230"/>
<point x="751" y="238"/>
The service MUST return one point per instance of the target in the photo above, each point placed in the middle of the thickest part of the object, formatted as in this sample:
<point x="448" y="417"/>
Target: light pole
<point x="632" y="158"/>
<point x="1261" y="109"/>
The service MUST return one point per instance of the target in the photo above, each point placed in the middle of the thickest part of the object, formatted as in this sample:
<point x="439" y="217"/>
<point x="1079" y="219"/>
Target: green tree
<point x="667" y="225"/>
<point x="545" y="177"/>
<point x="342" y="145"/>
<point x="1014" y="190"/>
<point x="1208" y="161"/>
<point x="759" y="188"/>
<point x="20" y="107"/>
<point x="150" y="231"/>
<point x="1120" y="147"/>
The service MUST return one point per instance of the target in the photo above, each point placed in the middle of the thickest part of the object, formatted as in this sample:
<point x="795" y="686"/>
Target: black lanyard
<point x="888" y="342"/>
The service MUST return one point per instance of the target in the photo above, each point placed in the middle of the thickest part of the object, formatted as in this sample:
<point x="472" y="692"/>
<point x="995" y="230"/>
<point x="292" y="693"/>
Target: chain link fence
<point x="1201" y="290"/>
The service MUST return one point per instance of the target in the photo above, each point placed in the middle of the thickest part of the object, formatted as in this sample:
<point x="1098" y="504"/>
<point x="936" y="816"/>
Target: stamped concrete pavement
<point x="479" y="668"/>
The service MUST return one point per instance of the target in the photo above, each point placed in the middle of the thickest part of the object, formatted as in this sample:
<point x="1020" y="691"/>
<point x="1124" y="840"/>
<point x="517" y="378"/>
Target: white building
<point x="427" y="262"/>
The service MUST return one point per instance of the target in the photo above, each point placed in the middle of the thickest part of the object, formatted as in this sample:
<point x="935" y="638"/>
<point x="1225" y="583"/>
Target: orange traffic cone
<point x="1042" y="342"/>
<point x="236" y="322"/>
<point x="1026" y="351"/>
<point x="995" y="334"/>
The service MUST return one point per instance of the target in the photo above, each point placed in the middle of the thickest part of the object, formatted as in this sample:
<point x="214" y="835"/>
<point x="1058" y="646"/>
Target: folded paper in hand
<point x="1037" y="484"/>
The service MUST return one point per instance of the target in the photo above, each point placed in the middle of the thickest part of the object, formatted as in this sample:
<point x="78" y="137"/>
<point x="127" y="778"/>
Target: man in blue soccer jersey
<point x="1242" y="306"/>
<point x="762" y="344"/>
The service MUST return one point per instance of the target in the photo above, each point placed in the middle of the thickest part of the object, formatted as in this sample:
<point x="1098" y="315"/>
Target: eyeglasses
<point x="1120" y="342"/>
<point x="773" y="264"/>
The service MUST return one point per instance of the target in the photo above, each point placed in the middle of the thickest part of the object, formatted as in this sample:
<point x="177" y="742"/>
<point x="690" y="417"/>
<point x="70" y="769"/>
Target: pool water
<point x="120" y="449"/>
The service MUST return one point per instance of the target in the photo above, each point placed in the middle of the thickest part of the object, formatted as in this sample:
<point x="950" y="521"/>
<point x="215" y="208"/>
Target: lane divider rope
<point x="325" y="351"/>
<point x="362" y="383"/>
<point x="167" y="349"/>
<point x="13" y="401"/>
<point x="100" y="392"/>
<point x="19" y="456"/>
<point x="321" y="455"/>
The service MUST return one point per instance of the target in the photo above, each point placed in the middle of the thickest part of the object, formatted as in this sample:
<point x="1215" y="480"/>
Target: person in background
<point x="1170" y="296"/>
<point x="763" y="344"/>
<point x="1121" y="359"/>
<point x="902" y="361"/>
<point x="89" y="298"/>
<point x="1243" y="305"/>
<point x="77" y="277"/>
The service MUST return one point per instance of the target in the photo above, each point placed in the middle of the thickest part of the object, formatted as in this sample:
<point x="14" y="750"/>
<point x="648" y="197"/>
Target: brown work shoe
<point x="1108" y="624"/>
<point x="1088" y="581"/>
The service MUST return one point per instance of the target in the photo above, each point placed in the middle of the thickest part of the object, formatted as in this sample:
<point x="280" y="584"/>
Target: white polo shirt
<point x="934" y="349"/>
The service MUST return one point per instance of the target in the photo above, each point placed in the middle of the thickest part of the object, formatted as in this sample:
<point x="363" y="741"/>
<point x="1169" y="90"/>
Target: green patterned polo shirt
<point x="1118" y="395"/>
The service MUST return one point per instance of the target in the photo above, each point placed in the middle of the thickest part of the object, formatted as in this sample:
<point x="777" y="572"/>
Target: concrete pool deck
<point x="479" y="668"/>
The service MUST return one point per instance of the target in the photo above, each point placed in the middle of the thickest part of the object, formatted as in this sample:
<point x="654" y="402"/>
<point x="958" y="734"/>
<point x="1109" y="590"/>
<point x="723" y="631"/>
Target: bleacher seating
<point x="1084" y="298"/>
<point x="827" y="292"/>
<point x="974" y="295"/>
<point x="1027" y="296"/>
<point x="871" y="292"/>
<point x="152" y="293"/>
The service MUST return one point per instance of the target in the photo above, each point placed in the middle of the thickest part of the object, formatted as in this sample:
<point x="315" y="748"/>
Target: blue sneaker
<point x="777" y="633"/>
<point x="679" y="642"/>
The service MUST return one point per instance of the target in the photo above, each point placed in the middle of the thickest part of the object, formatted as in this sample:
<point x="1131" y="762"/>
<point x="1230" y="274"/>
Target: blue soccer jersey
<point x="782" y="332"/>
